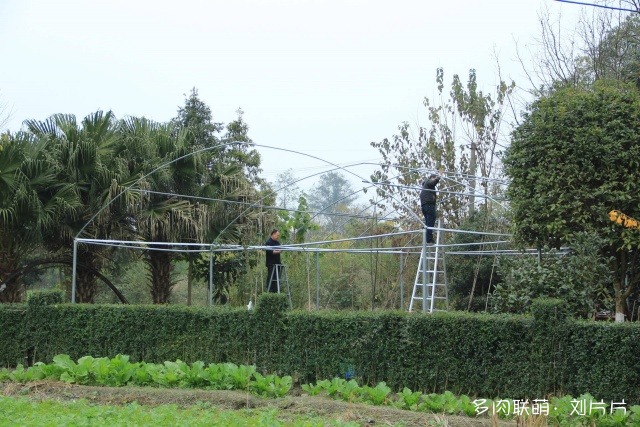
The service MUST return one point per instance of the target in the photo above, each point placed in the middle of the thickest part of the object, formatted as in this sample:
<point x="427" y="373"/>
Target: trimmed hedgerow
<point x="467" y="353"/>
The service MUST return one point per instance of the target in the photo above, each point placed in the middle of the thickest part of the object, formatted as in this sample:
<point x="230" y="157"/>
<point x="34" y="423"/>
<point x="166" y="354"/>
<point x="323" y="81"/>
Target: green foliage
<point x="101" y="176"/>
<point x="408" y="399"/>
<point x="579" y="278"/>
<point x="13" y="333"/>
<point x="441" y="403"/>
<point x="587" y="410"/>
<point x="460" y="352"/>
<point x="464" y="109"/>
<point x="564" y="410"/>
<point x="197" y="118"/>
<point x="574" y="158"/>
<point x="22" y="411"/>
<point x="271" y="385"/>
<point x="313" y="389"/>
<point x="227" y="268"/>
<point x="474" y="276"/>
<point x="46" y="297"/>
<point x="118" y="371"/>
<point x="294" y="227"/>
<point x="114" y="372"/>
<point x="22" y="375"/>
<point x="83" y="154"/>
<point x="240" y="375"/>
<point x="616" y="55"/>
<point x="378" y="394"/>
<point x="32" y="202"/>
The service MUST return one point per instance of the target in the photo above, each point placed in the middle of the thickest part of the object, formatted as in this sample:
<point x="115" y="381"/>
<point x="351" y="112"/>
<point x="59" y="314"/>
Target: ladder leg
<point x="273" y="276"/>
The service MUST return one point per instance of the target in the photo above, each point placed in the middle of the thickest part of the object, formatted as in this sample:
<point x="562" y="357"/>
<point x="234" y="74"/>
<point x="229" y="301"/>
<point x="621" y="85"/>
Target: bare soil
<point x="289" y="407"/>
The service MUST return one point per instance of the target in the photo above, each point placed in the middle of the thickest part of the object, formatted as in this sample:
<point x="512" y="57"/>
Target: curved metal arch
<point x="336" y="167"/>
<point x="240" y="143"/>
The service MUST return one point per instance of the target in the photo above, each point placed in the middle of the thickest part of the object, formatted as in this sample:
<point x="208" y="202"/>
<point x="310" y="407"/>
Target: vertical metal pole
<point x="317" y="280"/>
<point x="73" y="275"/>
<point x="401" y="282"/>
<point x="210" y="279"/>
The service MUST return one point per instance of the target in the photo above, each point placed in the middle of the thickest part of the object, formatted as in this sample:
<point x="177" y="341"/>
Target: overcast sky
<point x="323" y="77"/>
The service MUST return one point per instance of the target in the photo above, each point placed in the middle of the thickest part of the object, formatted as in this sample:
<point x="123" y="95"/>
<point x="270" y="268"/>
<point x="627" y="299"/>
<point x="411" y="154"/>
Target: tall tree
<point x="163" y="215"/>
<point x="468" y="121"/>
<point x="287" y="191"/>
<point x="84" y="157"/>
<point x="239" y="149"/>
<point x="196" y="116"/>
<point x="602" y="45"/>
<point x="32" y="202"/>
<point x="234" y="146"/>
<point x="573" y="159"/>
<point x="332" y="194"/>
<point x="617" y="54"/>
<point x="231" y="182"/>
<point x="231" y="173"/>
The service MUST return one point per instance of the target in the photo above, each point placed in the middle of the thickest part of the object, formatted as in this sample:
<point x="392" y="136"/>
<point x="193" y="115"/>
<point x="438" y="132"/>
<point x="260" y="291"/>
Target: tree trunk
<point x="160" y="266"/>
<point x="620" y="310"/>
<point x="86" y="283"/>
<point x="621" y="301"/>
<point x="12" y="291"/>
<point x="86" y="287"/>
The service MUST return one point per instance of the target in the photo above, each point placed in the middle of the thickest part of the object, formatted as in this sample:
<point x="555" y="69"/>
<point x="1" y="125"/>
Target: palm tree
<point x="175" y="169"/>
<point x="162" y="216"/>
<point x="84" y="157"/>
<point x="32" y="201"/>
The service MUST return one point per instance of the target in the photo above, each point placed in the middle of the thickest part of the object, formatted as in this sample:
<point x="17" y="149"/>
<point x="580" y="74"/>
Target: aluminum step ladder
<point x="430" y="285"/>
<point x="279" y="274"/>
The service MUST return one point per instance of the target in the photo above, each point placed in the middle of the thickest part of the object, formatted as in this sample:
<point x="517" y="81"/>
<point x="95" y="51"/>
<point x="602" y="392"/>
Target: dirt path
<point x="289" y="407"/>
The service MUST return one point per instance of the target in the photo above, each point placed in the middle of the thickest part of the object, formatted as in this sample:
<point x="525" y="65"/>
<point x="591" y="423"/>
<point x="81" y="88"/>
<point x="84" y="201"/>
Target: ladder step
<point x="431" y="260"/>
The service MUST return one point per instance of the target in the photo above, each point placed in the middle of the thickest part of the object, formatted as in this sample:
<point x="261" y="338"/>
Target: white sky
<point x="321" y="77"/>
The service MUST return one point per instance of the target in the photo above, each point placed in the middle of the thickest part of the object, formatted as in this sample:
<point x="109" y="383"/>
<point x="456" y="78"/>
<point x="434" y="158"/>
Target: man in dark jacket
<point x="273" y="261"/>
<point x="428" y="203"/>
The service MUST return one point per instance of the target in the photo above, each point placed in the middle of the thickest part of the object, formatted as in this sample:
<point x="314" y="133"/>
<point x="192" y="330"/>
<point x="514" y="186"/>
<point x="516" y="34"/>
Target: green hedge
<point x="148" y="333"/>
<point x="475" y="354"/>
<point x="13" y="339"/>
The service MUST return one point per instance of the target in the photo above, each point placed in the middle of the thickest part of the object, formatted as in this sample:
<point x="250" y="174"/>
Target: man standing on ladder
<point x="428" y="203"/>
<point x="274" y="270"/>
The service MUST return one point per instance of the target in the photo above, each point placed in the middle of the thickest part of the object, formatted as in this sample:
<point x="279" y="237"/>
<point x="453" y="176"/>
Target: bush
<point x="579" y="278"/>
